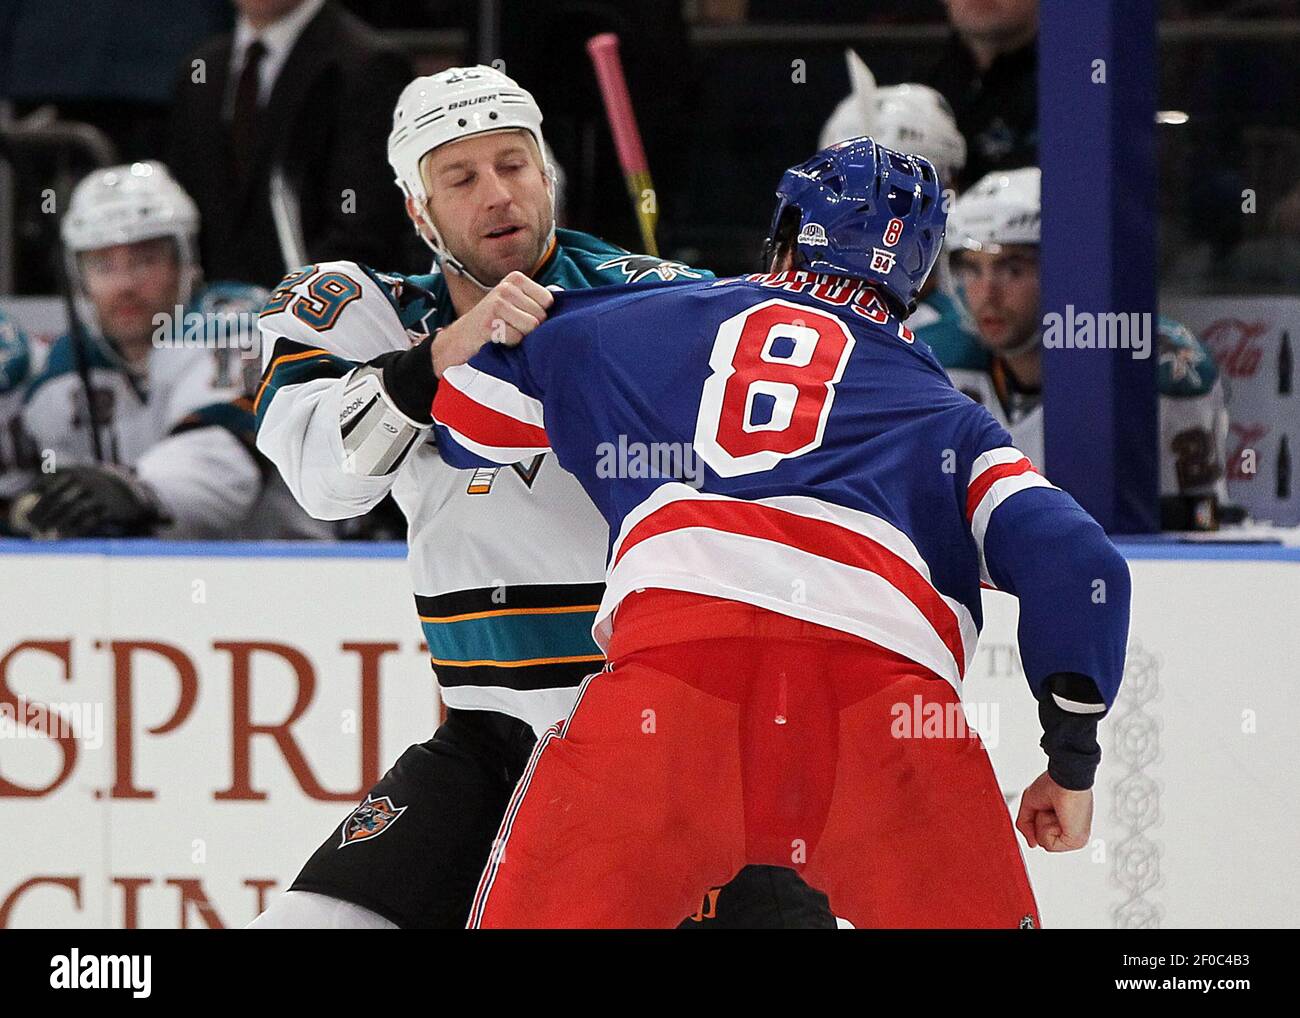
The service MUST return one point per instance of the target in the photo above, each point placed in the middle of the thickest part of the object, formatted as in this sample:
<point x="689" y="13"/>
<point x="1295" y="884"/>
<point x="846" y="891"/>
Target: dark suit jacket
<point x="326" y="122"/>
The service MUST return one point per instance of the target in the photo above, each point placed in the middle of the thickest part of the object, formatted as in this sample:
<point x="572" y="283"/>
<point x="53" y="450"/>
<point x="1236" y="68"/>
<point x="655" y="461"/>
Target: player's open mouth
<point x="502" y="231"/>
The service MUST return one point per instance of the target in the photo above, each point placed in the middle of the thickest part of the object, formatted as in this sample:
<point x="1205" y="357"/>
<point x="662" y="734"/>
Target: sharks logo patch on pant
<point x="370" y="819"/>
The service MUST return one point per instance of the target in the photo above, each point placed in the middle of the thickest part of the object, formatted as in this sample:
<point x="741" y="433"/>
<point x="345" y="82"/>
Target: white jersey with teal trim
<point x="177" y="421"/>
<point x="1192" y="411"/>
<point x="17" y="458"/>
<point x="507" y="563"/>
<point x="1021" y="415"/>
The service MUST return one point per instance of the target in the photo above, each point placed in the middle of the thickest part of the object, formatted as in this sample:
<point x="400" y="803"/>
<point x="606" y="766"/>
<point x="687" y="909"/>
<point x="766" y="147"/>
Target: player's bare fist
<point x="1053" y="817"/>
<point x="506" y="314"/>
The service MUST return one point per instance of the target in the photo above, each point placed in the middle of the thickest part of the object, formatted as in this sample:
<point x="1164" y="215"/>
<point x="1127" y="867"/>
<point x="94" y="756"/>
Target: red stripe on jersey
<point x="482" y="424"/>
<point x="980" y="486"/>
<point x="816" y="537"/>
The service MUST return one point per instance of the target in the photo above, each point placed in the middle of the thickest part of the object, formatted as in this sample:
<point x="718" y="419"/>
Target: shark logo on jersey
<point x="370" y="819"/>
<point x="1184" y="362"/>
<point x="416" y="307"/>
<point x="639" y="267"/>
<point x="1185" y="366"/>
<point x="396" y="285"/>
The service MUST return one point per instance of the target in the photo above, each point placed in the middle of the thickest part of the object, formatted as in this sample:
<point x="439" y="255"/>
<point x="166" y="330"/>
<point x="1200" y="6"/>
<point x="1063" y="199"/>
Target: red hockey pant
<point x="726" y="735"/>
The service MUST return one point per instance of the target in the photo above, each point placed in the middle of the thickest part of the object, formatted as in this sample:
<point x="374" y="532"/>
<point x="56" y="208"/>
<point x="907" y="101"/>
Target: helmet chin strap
<point x="450" y="262"/>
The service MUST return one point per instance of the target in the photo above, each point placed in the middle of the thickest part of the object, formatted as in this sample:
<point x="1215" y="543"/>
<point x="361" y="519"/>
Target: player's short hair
<point x="783" y="239"/>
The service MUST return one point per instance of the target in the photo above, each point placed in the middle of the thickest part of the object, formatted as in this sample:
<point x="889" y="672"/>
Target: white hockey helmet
<point x="908" y="118"/>
<point x="459" y="102"/>
<point x="129" y="203"/>
<point x="1004" y="207"/>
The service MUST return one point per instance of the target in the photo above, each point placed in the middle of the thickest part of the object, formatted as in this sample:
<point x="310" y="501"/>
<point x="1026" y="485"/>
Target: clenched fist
<point x="1053" y="817"/>
<point x="507" y="313"/>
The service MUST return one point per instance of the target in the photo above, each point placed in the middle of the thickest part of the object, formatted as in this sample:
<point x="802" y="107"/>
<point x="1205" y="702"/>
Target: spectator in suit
<point x="299" y="96"/>
<point x="988" y="72"/>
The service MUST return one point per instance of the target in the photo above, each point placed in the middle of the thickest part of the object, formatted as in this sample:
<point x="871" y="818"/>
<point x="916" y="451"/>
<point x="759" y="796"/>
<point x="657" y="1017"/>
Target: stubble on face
<point x="491" y="201"/>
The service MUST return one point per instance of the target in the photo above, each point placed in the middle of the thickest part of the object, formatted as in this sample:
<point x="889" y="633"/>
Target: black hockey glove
<point x="87" y="501"/>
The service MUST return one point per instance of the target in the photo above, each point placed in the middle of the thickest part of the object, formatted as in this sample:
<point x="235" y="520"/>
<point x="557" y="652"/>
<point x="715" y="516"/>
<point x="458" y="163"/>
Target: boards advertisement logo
<point x="1236" y="344"/>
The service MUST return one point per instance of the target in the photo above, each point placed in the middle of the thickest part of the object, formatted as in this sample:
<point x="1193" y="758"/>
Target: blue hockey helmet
<point x="864" y="211"/>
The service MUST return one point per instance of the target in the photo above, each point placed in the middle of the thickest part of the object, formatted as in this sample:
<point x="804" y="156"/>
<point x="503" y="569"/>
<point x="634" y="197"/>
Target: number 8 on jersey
<point x="767" y="399"/>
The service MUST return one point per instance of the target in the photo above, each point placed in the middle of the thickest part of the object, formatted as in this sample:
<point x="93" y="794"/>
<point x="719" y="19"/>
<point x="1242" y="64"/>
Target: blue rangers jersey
<point x="841" y="478"/>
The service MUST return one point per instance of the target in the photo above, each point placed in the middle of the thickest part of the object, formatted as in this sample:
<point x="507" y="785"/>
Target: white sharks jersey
<point x="1022" y="416"/>
<point x="17" y="458"/>
<point x="507" y="563"/>
<point x="182" y="422"/>
<point x="1193" y="420"/>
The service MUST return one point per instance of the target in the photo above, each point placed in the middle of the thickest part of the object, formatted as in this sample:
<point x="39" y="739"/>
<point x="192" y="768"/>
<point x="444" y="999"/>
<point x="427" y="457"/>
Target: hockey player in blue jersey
<point x="766" y="622"/>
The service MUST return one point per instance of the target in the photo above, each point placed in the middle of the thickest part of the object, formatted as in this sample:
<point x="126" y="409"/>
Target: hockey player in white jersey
<point x="993" y="240"/>
<point x="17" y="456"/>
<point x="141" y="423"/>
<point x="913" y="117"/>
<point x="507" y="563"/>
